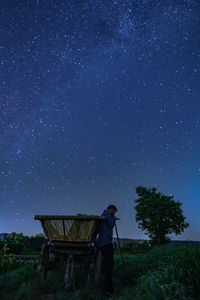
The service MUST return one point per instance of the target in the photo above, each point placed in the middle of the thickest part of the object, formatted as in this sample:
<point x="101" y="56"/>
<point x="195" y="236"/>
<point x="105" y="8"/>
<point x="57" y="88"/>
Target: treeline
<point x="17" y="243"/>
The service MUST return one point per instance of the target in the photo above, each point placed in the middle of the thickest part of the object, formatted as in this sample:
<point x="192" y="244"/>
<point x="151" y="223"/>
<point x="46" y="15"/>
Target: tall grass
<point x="8" y="262"/>
<point x="19" y="284"/>
<point x="167" y="272"/>
<point x="174" y="273"/>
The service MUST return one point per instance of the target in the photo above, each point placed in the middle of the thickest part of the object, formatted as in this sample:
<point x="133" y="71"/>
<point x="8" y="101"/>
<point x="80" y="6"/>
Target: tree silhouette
<point x="158" y="215"/>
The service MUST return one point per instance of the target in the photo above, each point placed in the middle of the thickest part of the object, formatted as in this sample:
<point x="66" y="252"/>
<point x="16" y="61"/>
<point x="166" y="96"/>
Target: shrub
<point x="8" y="262"/>
<point x="27" y="290"/>
<point x="171" y="273"/>
<point x="11" y="281"/>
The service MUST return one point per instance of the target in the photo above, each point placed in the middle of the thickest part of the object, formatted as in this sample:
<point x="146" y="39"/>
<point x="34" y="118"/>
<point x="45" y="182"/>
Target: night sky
<point x="96" y="98"/>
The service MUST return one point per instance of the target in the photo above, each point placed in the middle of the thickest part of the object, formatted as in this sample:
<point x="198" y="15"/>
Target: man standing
<point x="105" y="244"/>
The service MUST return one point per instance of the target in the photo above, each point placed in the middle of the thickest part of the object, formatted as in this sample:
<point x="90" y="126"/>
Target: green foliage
<point x="28" y="290"/>
<point x="158" y="215"/>
<point x="8" y="262"/>
<point x="166" y="272"/>
<point x="55" y="279"/>
<point x="17" y="243"/>
<point x="139" y="246"/>
<point x="92" y="294"/>
<point x="11" y="281"/>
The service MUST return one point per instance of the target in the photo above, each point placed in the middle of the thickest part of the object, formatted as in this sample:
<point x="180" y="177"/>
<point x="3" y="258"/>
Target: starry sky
<point x="96" y="98"/>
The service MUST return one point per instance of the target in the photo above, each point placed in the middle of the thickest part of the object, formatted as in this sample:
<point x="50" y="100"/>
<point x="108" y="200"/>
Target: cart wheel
<point x="42" y="265"/>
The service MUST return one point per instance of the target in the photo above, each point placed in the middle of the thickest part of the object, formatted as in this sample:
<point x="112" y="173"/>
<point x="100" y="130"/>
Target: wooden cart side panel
<point x="45" y="229"/>
<point x="81" y="228"/>
<point x="70" y="230"/>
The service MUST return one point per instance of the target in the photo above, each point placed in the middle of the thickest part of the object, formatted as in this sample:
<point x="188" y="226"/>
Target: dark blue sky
<point x="98" y="97"/>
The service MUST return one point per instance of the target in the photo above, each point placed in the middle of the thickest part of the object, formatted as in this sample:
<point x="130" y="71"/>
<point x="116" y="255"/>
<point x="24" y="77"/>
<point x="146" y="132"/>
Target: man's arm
<point x="109" y="219"/>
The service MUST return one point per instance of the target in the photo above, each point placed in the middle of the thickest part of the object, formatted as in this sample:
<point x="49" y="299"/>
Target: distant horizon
<point x="114" y="236"/>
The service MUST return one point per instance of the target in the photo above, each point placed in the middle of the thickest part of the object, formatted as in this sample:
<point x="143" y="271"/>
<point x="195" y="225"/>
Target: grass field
<point x="167" y="272"/>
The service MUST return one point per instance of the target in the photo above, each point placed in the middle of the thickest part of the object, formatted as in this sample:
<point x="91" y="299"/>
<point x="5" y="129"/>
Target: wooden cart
<point x="70" y="239"/>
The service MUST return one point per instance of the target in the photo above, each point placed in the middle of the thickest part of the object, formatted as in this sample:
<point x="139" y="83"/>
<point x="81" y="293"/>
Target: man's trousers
<point x="108" y="252"/>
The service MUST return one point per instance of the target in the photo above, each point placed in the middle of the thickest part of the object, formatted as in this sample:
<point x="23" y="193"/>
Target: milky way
<point x="96" y="98"/>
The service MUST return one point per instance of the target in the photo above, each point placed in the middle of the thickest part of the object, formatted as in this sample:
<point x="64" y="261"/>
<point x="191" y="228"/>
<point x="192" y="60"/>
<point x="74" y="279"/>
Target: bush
<point x="168" y="273"/>
<point x="27" y="290"/>
<point x="17" y="243"/>
<point x="8" y="262"/>
<point x="11" y="281"/>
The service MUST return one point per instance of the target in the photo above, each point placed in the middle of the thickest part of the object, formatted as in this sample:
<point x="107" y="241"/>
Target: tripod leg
<point x="119" y="243"/>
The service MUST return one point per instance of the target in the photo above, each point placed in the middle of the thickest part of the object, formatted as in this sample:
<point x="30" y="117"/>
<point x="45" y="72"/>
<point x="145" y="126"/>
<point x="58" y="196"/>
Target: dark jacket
<point x="106" y="230"/>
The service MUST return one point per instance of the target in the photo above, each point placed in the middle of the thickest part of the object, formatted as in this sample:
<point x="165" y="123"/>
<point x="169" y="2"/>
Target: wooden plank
<point x="42" y="265"/>
<point x="26" y="256"/>
<point x="69" y="273"/>
<point x="70" y="244"/>
<point x="60" y="217"/>
<point x="71" y="251"/>
<point x="64" y="227"/>
<point x="44" y="229"/>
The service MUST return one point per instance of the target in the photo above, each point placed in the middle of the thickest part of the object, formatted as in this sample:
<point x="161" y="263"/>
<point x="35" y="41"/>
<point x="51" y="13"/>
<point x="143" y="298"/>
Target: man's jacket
<point x="106" y="230"/>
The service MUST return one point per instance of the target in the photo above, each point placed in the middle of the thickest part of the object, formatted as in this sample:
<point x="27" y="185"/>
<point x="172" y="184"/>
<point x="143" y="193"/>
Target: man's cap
<point x="112" y="206"/>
